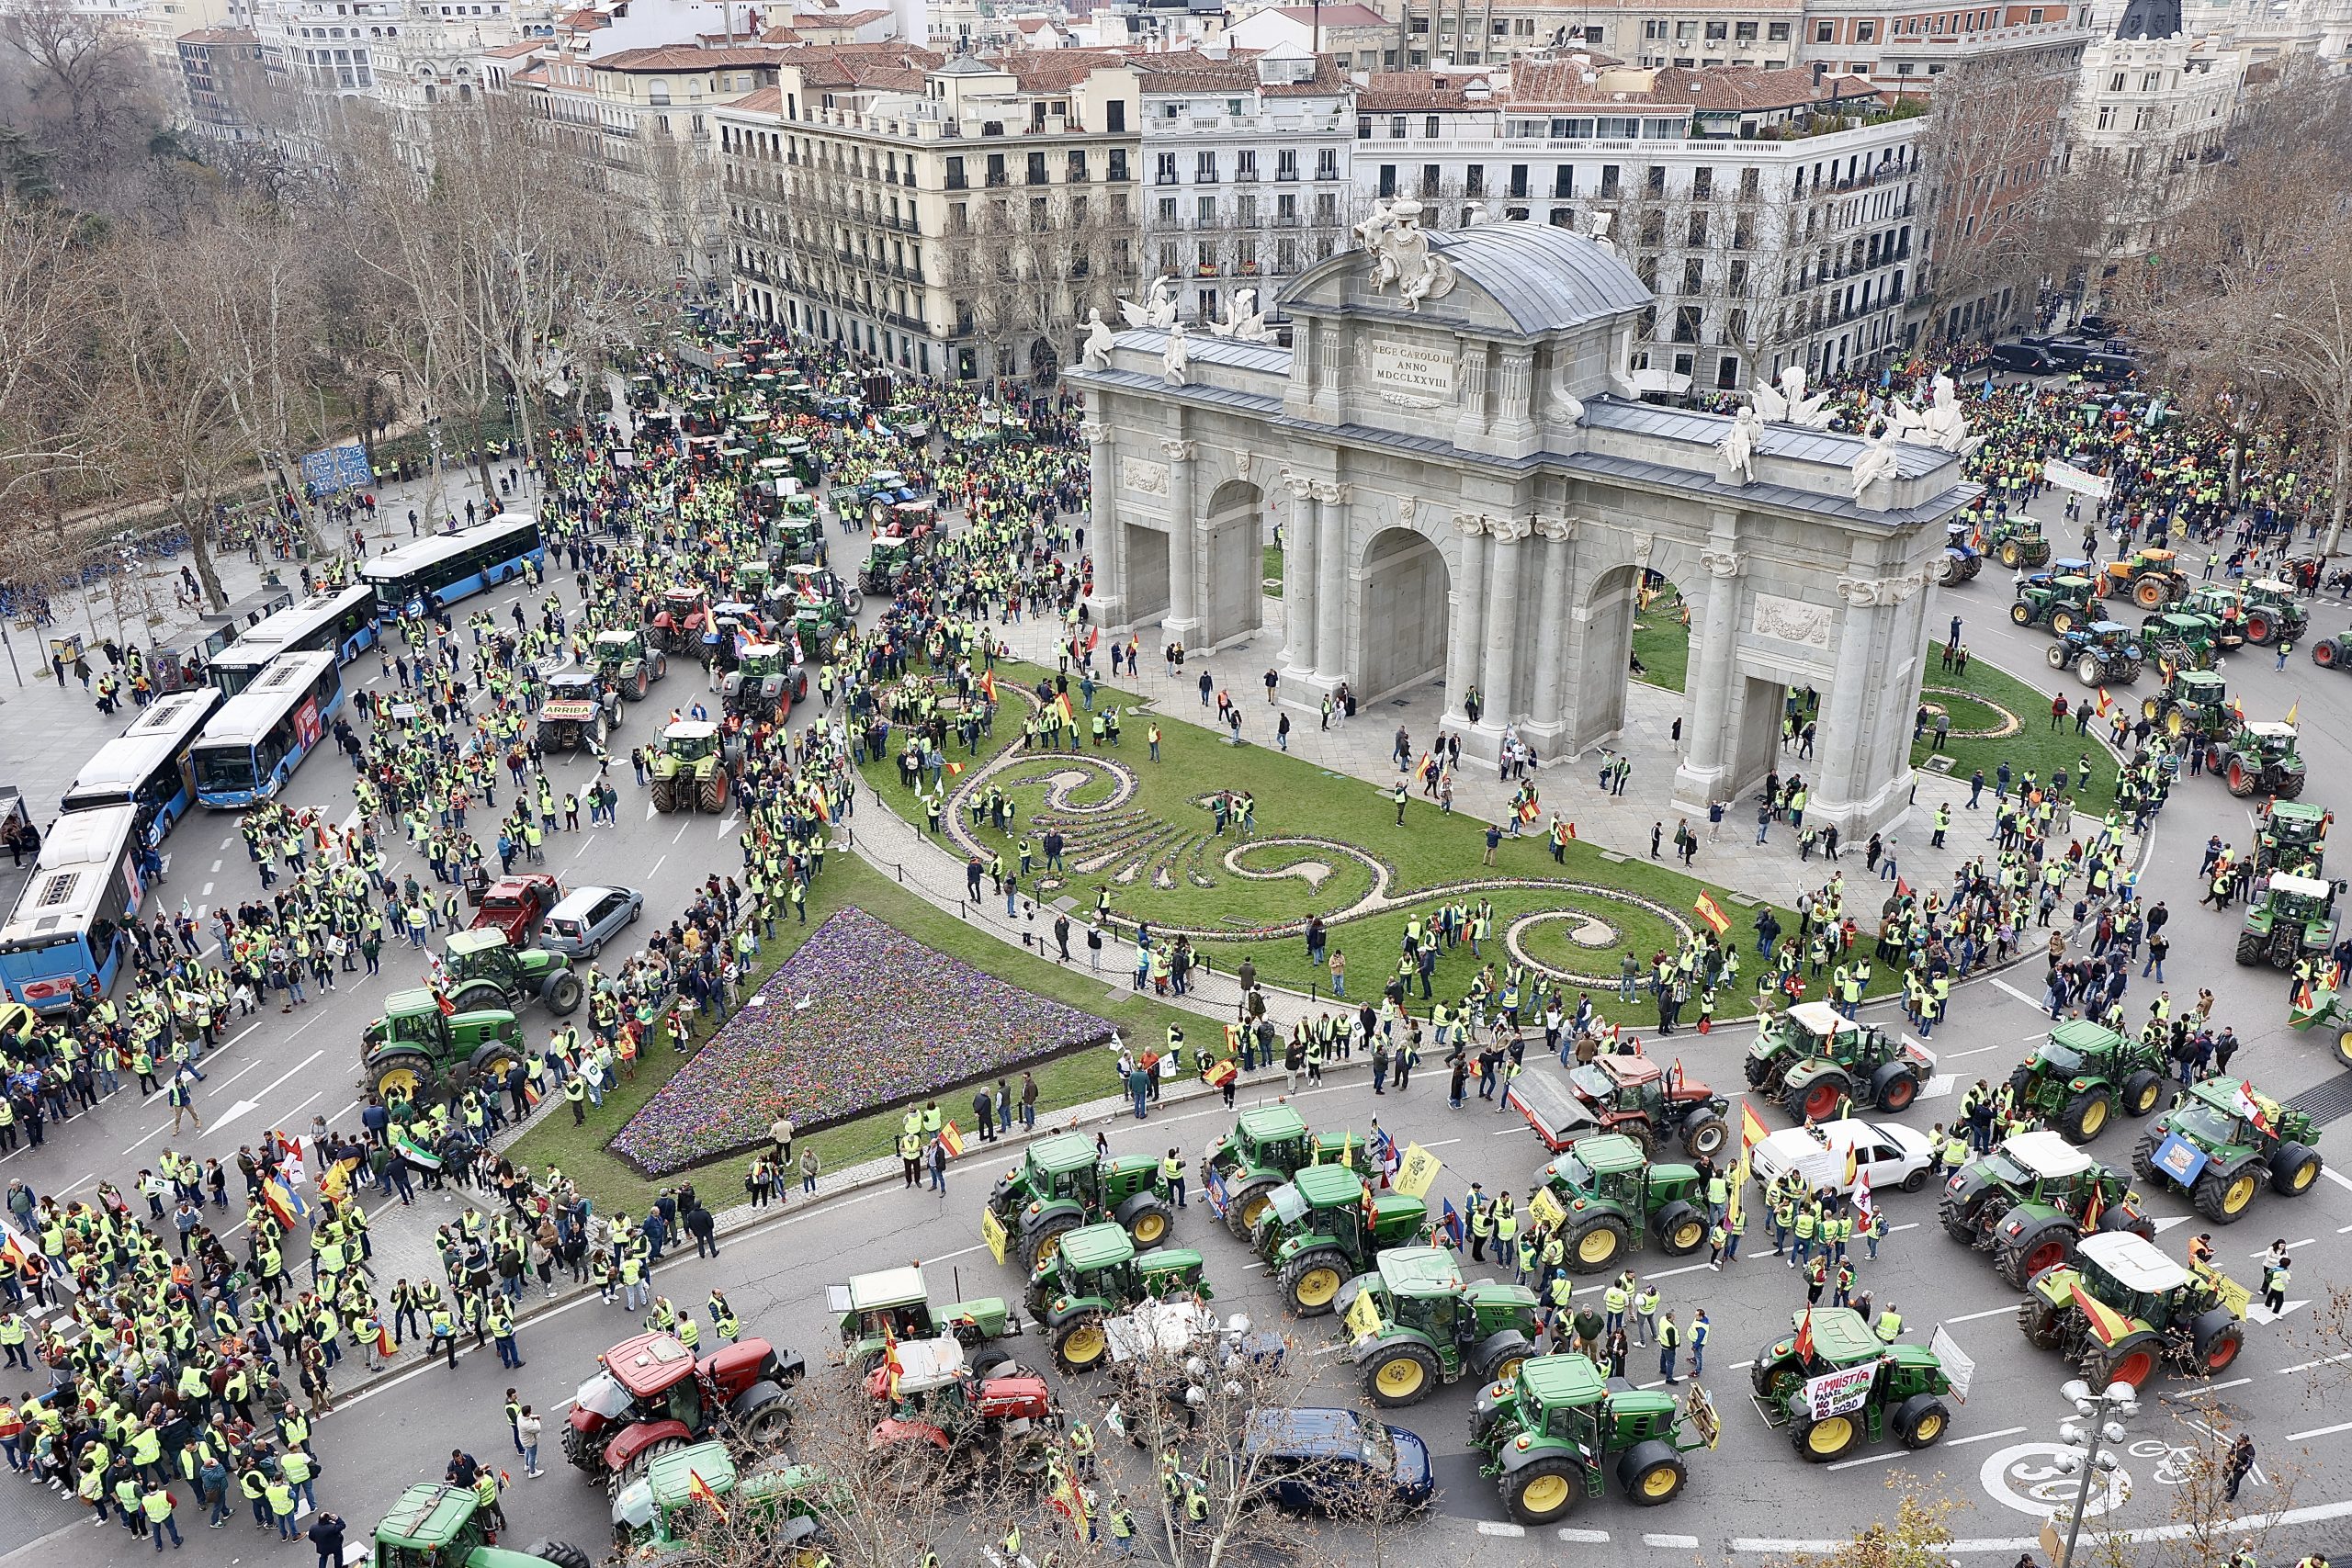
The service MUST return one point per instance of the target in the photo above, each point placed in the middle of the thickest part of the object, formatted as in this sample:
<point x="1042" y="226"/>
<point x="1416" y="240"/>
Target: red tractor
<point x="678" y="621"/>
<point x="515" y="905"/>
<point x="989" y="1413"/>
<point x="653" y="1396"/>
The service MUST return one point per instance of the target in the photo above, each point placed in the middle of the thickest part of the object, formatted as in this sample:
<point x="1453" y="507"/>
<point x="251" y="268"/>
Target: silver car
<point x="587" y="918"/>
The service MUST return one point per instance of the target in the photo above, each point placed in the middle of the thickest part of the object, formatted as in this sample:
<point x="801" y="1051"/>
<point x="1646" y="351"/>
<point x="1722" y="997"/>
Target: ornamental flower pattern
<point x="887" y="1019"/>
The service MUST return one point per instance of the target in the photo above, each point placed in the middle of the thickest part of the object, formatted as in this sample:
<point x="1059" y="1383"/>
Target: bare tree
<point x="1984" y="158"/>
<point x="82" y="84"/>
<point x="1918" y="1537"/>
<point x="2205" y="1526"/>
<point x="47" y="292"/>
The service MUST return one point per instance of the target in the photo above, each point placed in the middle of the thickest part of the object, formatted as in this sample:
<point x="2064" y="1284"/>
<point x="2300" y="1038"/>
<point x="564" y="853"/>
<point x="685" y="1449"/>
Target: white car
<point x="1890" y="1155"/>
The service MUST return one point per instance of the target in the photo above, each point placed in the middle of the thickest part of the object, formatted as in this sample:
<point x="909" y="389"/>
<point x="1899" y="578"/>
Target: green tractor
<point x="2222" y="1139"/>
<point x="2293" y="839"/>
<point x="2175" y="639"/>
<point x="2030" y="1202"/>
<point x="817" y="624"/>
<point x="687" y="771"/>
<point x="799" y="539"/>
<point x="1893" y="1389"/>
<point x="1812" y="1058"/>
<point x="759" y="686"/>
<point x="2273" y="614"/>
<point x="2222" y="603"/>
<point x="2259" y="759"/>
<point x="2062" y="603"/>
<point x="1324" y="1226"/>
<point x="2193" y="702"/>
<point x="2016" y="541"/>
<point x="1612" y="1197"/>
<point x="1060" y="1185"/>
<point x="2157" y="1313"/>
<point x="1269" y="1144"/>
<point x="2082" y="1071"/>
<point x="2102" y="653"/>
<point x="623" y="663"/>
<point x="893" y="559"/>
<point x="1547" y="1432"/>
<point x="1412" y="1323"/>
<point x="485" y="970"/>
<point x="752" y="580"/>
<point x="414" y="1044"/>
<point x="442" y="1524"/>
<point x="1094" y="1275"/>
<point x="895" y="1304"/>
<point x="2321" y="1005"/>
<point x="657" y="1517"/>
<point x="2289" y="917"/>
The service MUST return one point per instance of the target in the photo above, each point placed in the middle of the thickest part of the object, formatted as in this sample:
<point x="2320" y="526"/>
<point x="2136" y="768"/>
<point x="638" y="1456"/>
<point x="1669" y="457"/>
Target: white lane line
<point x="2337" y="1177"/>
<point x="2233" y="1383"/>
<point x="2029" y="1002"/>
<point x="1497" y="1527"/>
<point x="298" y="1110"/>
<point x="1901" y="1453"/>
<point x="1682" y="1543"/>
<point x="2320" y="1432"/>
<point x="1896" y="1230"/>
<point x="1576" y="1533"/>
<point x="1976" y="1051"/>
<point x="1990" y="1312"/>
<point x="2307" y="1366"/>
<point x="1443" y="1142"/>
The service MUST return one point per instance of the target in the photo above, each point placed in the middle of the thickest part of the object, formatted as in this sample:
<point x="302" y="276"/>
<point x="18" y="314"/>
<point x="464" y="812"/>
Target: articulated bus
<point x="444" y="568"/>
<point x="68" y="929"/>
<point x="254" y="744"/>
<point x="343" y="622"/>
<point x="147" y="764"/>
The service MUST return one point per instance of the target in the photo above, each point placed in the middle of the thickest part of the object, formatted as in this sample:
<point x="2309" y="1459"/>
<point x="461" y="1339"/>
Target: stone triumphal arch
<point x="1474" y="494"/>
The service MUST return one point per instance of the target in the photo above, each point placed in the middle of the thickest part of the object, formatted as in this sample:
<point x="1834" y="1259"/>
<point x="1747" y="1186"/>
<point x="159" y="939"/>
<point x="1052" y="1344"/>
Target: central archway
<point x="1232" y="592"/>
<point x="1402" y="613"/>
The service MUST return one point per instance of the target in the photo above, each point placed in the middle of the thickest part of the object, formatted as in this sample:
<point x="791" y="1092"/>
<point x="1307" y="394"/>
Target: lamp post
<point x="2100" y="1425"/>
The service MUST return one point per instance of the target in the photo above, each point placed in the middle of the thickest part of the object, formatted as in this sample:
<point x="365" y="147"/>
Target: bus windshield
<point x="223" y="768"/>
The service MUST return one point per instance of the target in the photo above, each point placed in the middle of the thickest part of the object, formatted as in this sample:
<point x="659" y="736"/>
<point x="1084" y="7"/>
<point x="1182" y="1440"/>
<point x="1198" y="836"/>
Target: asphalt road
<point x="1751" y="1496"/>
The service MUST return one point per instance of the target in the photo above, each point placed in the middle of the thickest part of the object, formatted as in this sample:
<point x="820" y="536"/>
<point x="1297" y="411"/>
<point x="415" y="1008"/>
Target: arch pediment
<point x="1508" y="279"/>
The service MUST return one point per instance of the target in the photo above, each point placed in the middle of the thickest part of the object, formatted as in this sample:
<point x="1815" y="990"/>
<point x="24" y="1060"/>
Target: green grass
<point x="1062" y="1082"/>
<point x="1271" y="571"/>
<point x="1662" y="642"/>
<point x="2034" y="746"/>
<point x="1431" y="853"/>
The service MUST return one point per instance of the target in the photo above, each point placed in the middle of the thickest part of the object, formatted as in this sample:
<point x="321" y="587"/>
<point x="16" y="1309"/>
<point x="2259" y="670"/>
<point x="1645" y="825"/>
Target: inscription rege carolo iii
<point x="1418" y="375"/>
<point x="1793" y="620"/>
<point x="1145" y="475"/>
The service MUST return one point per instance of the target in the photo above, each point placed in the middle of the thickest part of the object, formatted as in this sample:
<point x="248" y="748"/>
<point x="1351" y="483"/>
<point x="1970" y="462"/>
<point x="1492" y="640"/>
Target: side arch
<point x="1232" y="586"/>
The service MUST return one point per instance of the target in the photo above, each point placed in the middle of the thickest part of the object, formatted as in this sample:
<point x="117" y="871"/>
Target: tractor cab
<point x="893" y="1305"/>
<point x="2294" y="837"/>
<point x="2136" y="1278"/>
<point x="1330" y="1201"/>
<point x="690" y="741"/>
<point x="1421" y="1288"/>
<point x="433" y="1525"/>
<point x="650" y="1378"/>
<point x="2043" y="1167"/>
<point x="1609" y="1168"/>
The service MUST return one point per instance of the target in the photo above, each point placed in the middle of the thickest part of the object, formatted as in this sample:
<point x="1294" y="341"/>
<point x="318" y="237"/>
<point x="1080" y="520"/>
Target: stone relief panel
<point x="1791" y="620"/>
<point x="1144" y="476"/>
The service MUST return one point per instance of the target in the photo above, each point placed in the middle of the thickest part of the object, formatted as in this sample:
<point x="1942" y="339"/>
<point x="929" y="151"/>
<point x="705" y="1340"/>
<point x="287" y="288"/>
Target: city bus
<point x="147" y="764"/>
<point x="68" y="927"/>
<point x="258" y="738"/>
<point x="444" y="568"/>
<point x="343" y="622"/>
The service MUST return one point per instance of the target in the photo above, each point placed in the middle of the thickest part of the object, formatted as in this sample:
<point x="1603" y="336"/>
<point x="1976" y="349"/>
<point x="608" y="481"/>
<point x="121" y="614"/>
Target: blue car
<point x="1332" y="1460"/>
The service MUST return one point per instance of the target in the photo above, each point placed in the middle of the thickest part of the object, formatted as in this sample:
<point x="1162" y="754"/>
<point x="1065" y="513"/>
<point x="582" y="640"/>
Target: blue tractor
<point x="2102" y="653"/>
<point x="1962" y="560"/>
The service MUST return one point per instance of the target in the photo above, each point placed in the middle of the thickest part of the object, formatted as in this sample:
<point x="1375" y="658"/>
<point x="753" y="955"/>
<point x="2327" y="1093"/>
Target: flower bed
<point x="888" y="1020"/>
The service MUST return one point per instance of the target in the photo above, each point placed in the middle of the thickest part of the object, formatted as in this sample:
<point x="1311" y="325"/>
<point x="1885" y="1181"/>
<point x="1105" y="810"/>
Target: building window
<point x="1285" y="164"/>
<point x="1744" y="31"/>
<point x="1703" y="182"/>
<point x="1037" y="168"/>
<point x="1204" y="168"/>
<point x="1118" y="169"/>
<point x="1245" y="165"/>
<point x="1563" y="180"/>
<point x="1386" y="187"/>
<point x="1204" y="215"/>
<point x="1653" y="179"/>
<point x="1432" y="175"/>
<point x="1117" y="113"/>
<point x="1078" y="166"/>
<point x="1164" y="169"/>
<point x="1428" y="128"/>
<point x="1718" y="29"/>
<point x="1326" y="164"/>
<point x="1777" y="32"/>
<point x="1824" y="32"/>
<point x="1326" y="210"/>
<point x="1396" y="128"/>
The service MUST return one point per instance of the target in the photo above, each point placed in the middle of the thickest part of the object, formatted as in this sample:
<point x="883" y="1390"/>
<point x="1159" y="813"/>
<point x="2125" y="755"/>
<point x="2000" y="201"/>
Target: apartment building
<point x="955" y="217"/>
<point x="219" y="71"/>
<point x="1774" y="215"/>
<point x="1245" y="164"/>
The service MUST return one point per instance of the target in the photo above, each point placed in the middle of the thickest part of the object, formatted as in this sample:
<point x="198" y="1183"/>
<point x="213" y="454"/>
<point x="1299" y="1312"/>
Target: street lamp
<point x="2101" y="1424"/>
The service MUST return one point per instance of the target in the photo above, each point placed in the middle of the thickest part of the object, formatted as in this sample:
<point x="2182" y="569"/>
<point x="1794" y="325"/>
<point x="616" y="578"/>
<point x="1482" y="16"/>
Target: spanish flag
<point x="2105" y="1322"/>
<point x="988" y="684"/>
<point x="699" y="1489"/>
<point x="955" y="769"/>
<point x="1802" y="1349"/>
<point x="283" y="1200"/>
<point x="953" y="1141"/>
<point x="1751" y="1127"/>
<point x="385" y="1345"/>
<point x="1712" y="913"/>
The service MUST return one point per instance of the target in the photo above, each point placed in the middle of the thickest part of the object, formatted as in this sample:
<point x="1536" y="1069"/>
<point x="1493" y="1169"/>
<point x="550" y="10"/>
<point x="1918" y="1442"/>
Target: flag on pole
<point x="1450" y="1221"/>
<point x="699" y="1489"/>
<point x="1751" y="1128"/>
<point x="1902" y="888"/>
<point x="1572" y="830"/>
<point x="952" y="1140"/>
<point x="1865" y="1208"/>
<point x="988" y="684"/>
<point x="2093" y="1208"/>
<point x="1853" y="1165"/>
<point x="955" y="769"/>
<point x="385" y="1345"/>
<point x="1711" y="912"/>
<point x="283" y="1200"/>
<point x="2293" y="708"/>
<point x="2102" y="702"/>
<point x="1802" y="1349"/>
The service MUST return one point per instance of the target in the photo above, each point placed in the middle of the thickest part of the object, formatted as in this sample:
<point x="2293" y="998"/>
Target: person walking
<point x="327" y="1538"/>
<point x="2238" y="1465"/>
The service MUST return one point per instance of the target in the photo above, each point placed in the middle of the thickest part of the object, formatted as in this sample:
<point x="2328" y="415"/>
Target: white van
<point x="1890" y="1154"/>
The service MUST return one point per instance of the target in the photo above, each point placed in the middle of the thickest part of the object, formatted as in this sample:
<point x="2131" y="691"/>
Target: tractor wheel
<point x="1756" y="1071"/>
<point x="2175" y="722"/>
<point x="712" y="796"/>
<point x="763" y="1425"/>
<point x="1893" y="1086"/>
<point x="489" y="1064"/>
<point x="1149" y="1222"/>
<point x="2041" y="1325"/>
<point x="2054" y="656"/>
<point x="2031" y="1253"/>
<point x="2144" y="1157"/>
<point x="2324" y="653"/>
<point x="404" y="1073"/>
<point x="1920" y="1420"/>
<point x="2064" y="621"/>
<point x="2251" y="947"/>
<point x="1312" y="1280"/>
<point x="1831" y="1438"/>
<point x="2008" y="554"/>
<point x="1958" y="1220"/>
<point x="1598" y="1245"/>
<point x="635" y="1468"/>
<point x="665" y="794"/>
<point x="2152" y="708"/>
<point x="2022" y="614"/>
<point x="2289" y="788"/>
<point x="661" y="665"/>
<point x="1539" y="1493"/>
<point x="2258" y="630"/>
<point x="476" y="995"/>
<point x="1036" y="1249"/>
<point x="1248" y="1206"/>
<point x="1651" y="1473"/>
<point x="2088" y="671"/>
<point x="2224" y="1197"/>
<point x="1681" y="1229"/>
<point x="2217" y="1337"/>
<point x="2134" y="1362"/>
<point x="563" y="1553"/>
<point x="1817" y="1101"/>
<point x="2293" y="1169"/>
<point x="2239" y="778"/>
<point x="2085" y="1116"/>
<point x="2149" y="593"/>
<point x="1080" y="1345"/>
<point x="2344" y="1047"/>
<point x="1401" y="1374"/>
<point x="562" y="993"/>
<point x="1704" y="1137"/>
<point x="2141" y="1092"/>
<point x="636" y="690"/>
<point x="1503" y="1356"/>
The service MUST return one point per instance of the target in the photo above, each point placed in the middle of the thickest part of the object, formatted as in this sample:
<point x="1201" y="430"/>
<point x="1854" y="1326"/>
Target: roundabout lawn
<point x="1984" y="699"/>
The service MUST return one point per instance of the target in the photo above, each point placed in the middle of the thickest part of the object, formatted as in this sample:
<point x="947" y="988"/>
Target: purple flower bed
<point x="889" y="1021"/>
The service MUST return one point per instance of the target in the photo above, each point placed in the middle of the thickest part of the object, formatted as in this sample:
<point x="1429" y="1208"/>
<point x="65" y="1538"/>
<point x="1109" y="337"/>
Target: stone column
<point x="1551" y="632"/>
<point x="1300" y="591"/>
<point x="1465" y="632"/>
<point x="1183" y="620"/>
<point x="1331" y="661"/>
<point x="1109" y="602"/>
<point x="1839" y="741"/>
<point x="1700" y="779"/>
<point x="1500" y="662"/>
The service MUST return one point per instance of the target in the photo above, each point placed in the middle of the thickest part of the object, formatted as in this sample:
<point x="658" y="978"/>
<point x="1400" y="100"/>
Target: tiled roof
<point x="1420" y="90"/>
<point x="518" y="50"/>
<point x="685" y="57"/>
<point x="1563" y="82"/>
<point x="1057" y="70"/>
<point x="214" y="36"/>
<point x="764" y="100"/>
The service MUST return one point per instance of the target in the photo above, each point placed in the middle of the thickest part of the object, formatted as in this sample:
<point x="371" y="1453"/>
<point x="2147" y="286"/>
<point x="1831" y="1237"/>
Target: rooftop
<point x="1573" y="81"/>
<point x="2136" y="1262"/>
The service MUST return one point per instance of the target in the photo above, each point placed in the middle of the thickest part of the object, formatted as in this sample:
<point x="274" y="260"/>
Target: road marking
<point x="1990" y="1312"/>
<point x="1974" y="1051"/>
<point x="945" y="1257"/>
<point x="656" y="866"/>
<point x="2337" y="1177"/>
<point x="216" y="865"/>
<point x="1685" y="1542"/>
<point x="2209" y="1388"/>
<point x="1497" y="1527"/>
<point x="2307" y="1366"/>
<point x="1576" y="1533"/>
<point x="2307" y="1241"/>
<point x="1893" y="1230"/>
<point x="2320" y="1432"/>
<point x="244" y="1106"/>
<point x="1904" y="1453"/>
<point x="1443" y="1142"/>
<point x="2020" y="995"/>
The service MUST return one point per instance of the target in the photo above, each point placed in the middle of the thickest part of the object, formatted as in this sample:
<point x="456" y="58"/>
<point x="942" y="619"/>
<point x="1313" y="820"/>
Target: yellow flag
<point x="1364" y="1315"/>
<point x="1416" y="1172"/>
<point x="1738" y="1188"/>
<point x="2235" y="1296"/>
<point x="993" y="1232"/>
<point x="1544" y="1209"/>
<point x="1751" y="1128"/>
